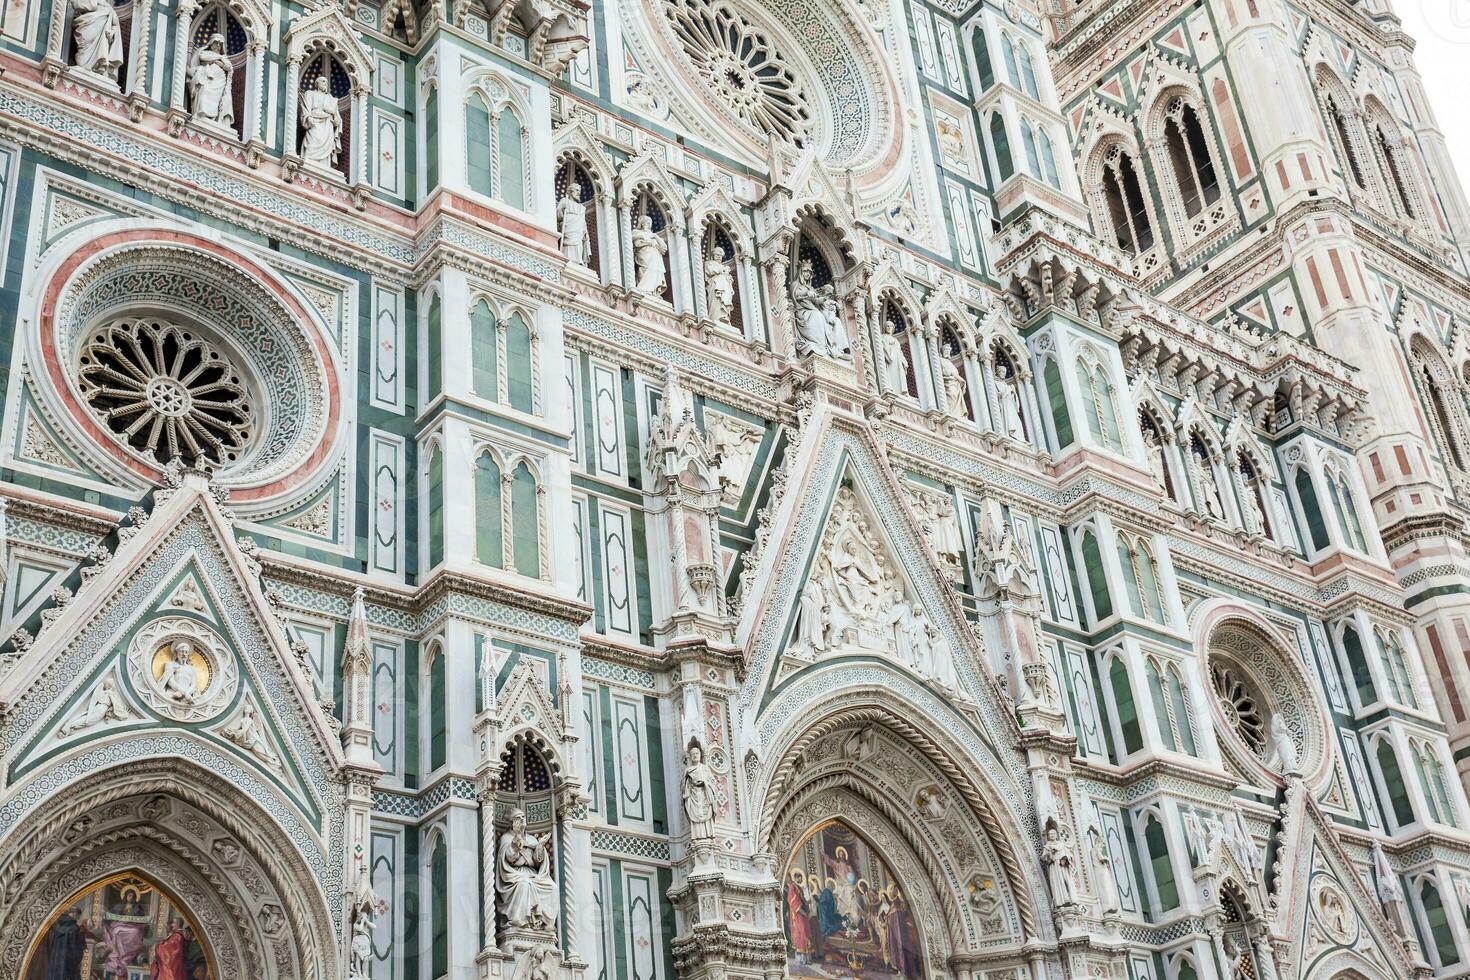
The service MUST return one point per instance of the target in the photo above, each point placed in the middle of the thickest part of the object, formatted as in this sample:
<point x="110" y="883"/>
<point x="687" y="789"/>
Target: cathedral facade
<point x="730" y="490"/>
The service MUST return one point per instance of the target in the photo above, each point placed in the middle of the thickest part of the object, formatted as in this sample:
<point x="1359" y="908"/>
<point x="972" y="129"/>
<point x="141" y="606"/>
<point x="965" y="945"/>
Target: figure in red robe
<point x="801" y="923"/>
<point x="169" y="961"/>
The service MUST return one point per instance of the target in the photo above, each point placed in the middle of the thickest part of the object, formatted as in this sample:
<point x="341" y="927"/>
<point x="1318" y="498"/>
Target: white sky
<point x="1441" y="29"/>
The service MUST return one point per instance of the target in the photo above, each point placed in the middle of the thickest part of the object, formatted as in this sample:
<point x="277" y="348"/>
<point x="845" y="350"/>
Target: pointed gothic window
<point x="1390" y="152"/>
<point x="519" y="370"/>
<point x="489" y="516"/>
<point x="510" y="163"/>
<point x="1166" y="889"/>
<point x="1393" y="782"/>
<point x="477" y="145"/>
<point x="1127" y="211"/>
<point x="484" y="352"/>
<point x="1357" y="658"/>
<point x="1342" y="134"/>
<point x="1125" y="706"/>
<point x="435" y="495"/>
<point x="1001" y="143"/>
<point x="1189" y="157"/>
<point x="525" y="508"/>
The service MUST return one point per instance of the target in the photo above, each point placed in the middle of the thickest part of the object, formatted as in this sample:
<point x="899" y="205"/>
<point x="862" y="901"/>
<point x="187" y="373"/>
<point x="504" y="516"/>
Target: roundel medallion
<point x="182" y="669"/>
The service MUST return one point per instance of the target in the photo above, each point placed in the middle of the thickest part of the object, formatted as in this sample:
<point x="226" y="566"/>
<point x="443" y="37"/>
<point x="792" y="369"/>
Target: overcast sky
<point x="1442" y="30"/>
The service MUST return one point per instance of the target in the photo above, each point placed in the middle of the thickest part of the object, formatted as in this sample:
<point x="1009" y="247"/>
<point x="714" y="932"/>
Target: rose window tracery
<point x="1241" y="706"/>
<point x="165" y="392"/>
<point x="742" y="67"/>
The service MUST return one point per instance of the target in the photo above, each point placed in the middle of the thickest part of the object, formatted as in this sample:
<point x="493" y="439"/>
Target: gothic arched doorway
<point x="121" y="928"/>
<point x="845" y="909"/>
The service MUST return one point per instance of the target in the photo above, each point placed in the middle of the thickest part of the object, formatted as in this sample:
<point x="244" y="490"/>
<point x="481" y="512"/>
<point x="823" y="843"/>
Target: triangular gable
<point x="579" y="137"/>
<point x="1323" y="903"/>
<point x="329" y="26"/>
<point x="649" y="169"/>
<point x="178" y="574"/>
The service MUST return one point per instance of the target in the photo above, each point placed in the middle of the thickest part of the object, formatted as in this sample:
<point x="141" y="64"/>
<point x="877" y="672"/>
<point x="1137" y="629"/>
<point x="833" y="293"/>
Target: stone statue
<point x="719" y="288"/>
<point x="210" y="76"/>
<point x="734" y="443"/>
<point x="814" y="622"/>
<point x="699" y="794"/>
<point x="1254" y="519"/>
<point x="908" y="633"/>
<point x="528" y="895"/>
<point x="571" y="217"/>
<point x="1008" y="397"/>
<point x="1214" y="844"/>
<point x="364" y="916"/>
<point x="895" y="366"/>
<point x="321" y="126"/>
<point x="1234" y="956"/>
<point x="936" y="519"/>
<point x="1102" y="870"/>
<point x="1155" y="450"/>
<point x="1265" y="959"/>
<point x="1284" y="747"/>
<point x="106" y="704"/>
<point x="954" y="388"/>
<point x="1056" y="854"/>
<point x="1390" y="890"/>
<point x="818" y="327"/>
<point x="649" y="249"/>
<point x="1209" y="489"/>
<point x="96" y="37"/>
<point x="248" y="732"/>
<point x="179" y="680"/>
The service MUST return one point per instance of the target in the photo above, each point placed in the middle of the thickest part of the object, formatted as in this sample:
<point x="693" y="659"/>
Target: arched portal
<point x="117" y="927"/>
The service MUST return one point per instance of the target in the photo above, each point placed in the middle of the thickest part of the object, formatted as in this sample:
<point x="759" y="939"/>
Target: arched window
<point x="519" y="368"/>
<point x="983" y="68"/>
<point x="1439" y="784"/>
<point x="1098" y="402"/>
<point x="1357" y="658"/>
<point x="1342" y="135"/>
<point x="1126" y="707"/>
<point x="1306" y="495"/>
<point x="510" y="163"/>
<point x="1056" y="399"/>
<point x="1189" y="157"/>
<point x="1346" y="506"/>
<point x="435" y="496"/>
<point x="1393" y="782"/>
<point x="1441" y="394"/>
<point x="1161" y="707"/>
<point x="1001" y="143"/>
<point x="1157" y="846"/>
<point x="1028" y="72"/>
<point x="438" y="907"/>
<point x="1141" y="578"/>
<point x="1396" y="668"/>
<point x="722" y="301"/>
<point x="434" y="331"/>
<point x="1097" y="582"/>
<point x="431" y="138"/>
<point x="489" y="515"/>
<point x="1436" y="917"/>
<point x="574" y="182"/>
<point x="1013" y="70"/>
<point x="1048" y="158"/>
<point x="339" y="86"/>
<point x="525" y="508"/>
<point x="1028" y="143"/>
<point x="219" y="60"/>
<point x="1124" y="202"/>
<point x="1390" y="155"/>
<point x="479" y="155"/>
<point x="1432" y="798"/>
<point x="438" y="709"/>
<point x="1183" y="717"/>
<point x="484" y="351"/>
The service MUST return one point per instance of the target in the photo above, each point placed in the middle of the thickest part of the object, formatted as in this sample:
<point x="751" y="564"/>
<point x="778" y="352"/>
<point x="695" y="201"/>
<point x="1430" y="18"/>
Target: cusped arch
<point x="875" y="707"/>
<point x="238" y="869"/>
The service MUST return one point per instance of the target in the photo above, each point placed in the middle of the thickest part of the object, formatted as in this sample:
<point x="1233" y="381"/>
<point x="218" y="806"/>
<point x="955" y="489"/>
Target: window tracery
<point x="1123" y="205"/>
<point x="165" y="392"/>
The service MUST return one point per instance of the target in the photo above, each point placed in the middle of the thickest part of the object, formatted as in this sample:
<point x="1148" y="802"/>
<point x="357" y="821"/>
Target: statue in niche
<point x="1390" y="891"/>
<point x="1056" y="854"/>
<point x="1154" y="447"/>
<point x="1008" y="397"/>
<point x="321" y="125"/>
<point x="649" y="249"/>
<point x="210" y="75"/>
<point x="699" y="794"/>
<point x="719" y="288"/>
<point x="364" y="916"/>
<point x="96" y="37"/>
<point x="819" y="329"/>
<point x="894" y="366"/>
<point x="1209" y="488"/>
<point x="734" y="443"/>
<point x="1102" y="870"/>
<point x="571" y="218"/>
<point x="528" y="896"/>
<point x="954" y="387"/>
<point x="936" y="519"/>
<point x="1254" y="519"/>
<point x="106" y="704"/>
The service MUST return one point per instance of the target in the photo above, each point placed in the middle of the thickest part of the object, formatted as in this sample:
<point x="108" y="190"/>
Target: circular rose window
<point x="165" y="392"/>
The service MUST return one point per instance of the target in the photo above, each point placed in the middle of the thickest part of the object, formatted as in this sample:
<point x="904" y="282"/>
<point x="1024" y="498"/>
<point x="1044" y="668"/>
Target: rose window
<point x="742" y="68"/>
<point x="165" y="392"/>
<point x="1240" y="705"/>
